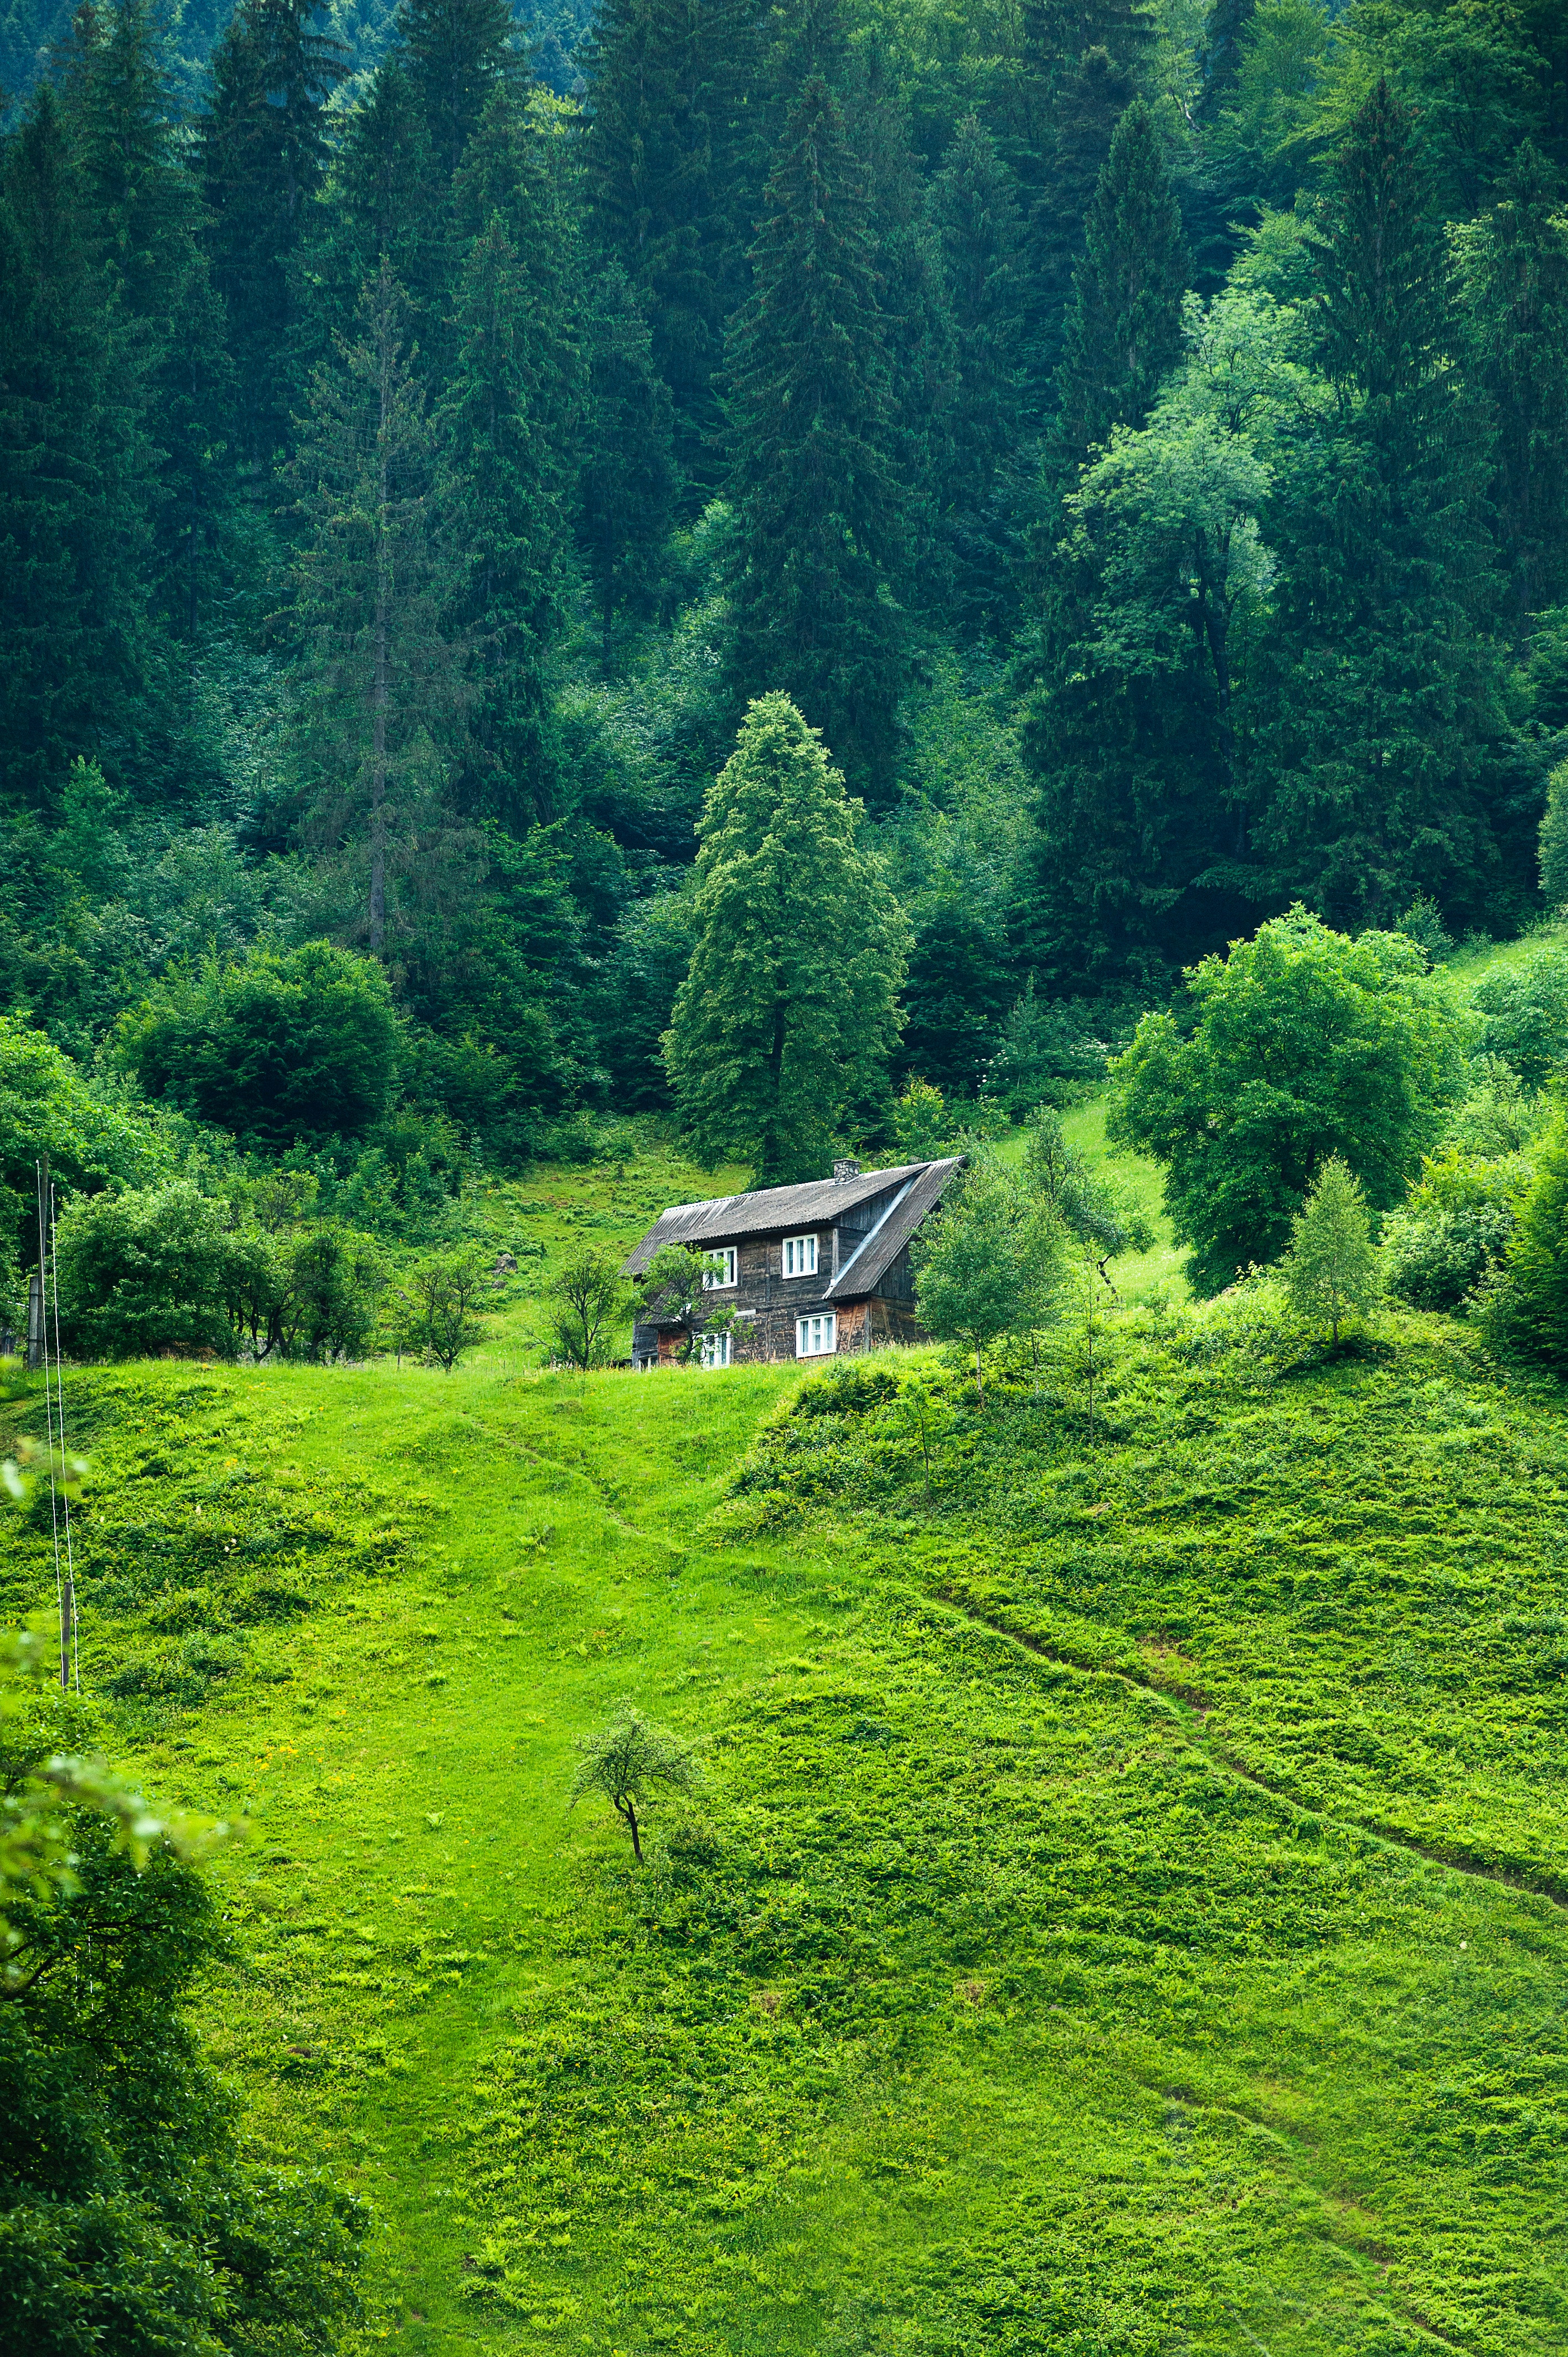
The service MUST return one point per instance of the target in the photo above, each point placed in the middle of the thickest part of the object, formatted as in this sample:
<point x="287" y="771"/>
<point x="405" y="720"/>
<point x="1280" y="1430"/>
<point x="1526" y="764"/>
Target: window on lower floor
<point x="715" y="1350"/>
<point x="814" y="1337"/>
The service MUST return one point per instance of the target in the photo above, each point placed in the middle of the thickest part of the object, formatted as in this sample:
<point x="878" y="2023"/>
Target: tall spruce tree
<point x="383" y="202"/>
<point x="974" y="209"/>
<point x="778" y="1045"/>
<point x="382" y="684"/>
<point x="1513" y="281"/>
<point x="817" y="503"/>
<point x="629" y="483"/>
<point x="76" y="475"/>
<point x="146" y="210"/>
<point x="1123" y="324"/>
<point x="674" y="157"/>
<point x="456" y="51"/>
<point x="1379" y="744"/>
<point x="511" y="428"/>
<point x="262" y="152"/>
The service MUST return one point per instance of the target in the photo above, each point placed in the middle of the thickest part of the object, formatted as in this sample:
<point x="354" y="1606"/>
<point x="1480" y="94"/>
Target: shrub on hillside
<point x="48" y="1107"/>
<point x="1452" y="1232"/>
<point x="283" y="1046"/>
<point x="1528" y="1307"/>
<point x="1298" y="1045"/>
<point x="1524" y="1012"/>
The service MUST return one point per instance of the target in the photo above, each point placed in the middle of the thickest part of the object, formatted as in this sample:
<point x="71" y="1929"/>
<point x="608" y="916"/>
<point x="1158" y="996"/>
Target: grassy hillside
<point x="1125" y="1912"/>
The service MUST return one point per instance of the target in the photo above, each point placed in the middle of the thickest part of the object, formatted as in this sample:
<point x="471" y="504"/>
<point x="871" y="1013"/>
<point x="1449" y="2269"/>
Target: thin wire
<point x="65" y="1489"/>
<point x="49" y="1423"/>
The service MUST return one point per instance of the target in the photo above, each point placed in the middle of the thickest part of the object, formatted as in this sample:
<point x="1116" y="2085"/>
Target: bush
<point x="1453" y="1232"/>
<point x="1298" y="1045"/>
<point x="147" y="1270"/>
<point x="1051" y="1048"/>
<point x="1524" y="1015"/>
<point x="288" y="1045"/>
<point x="46" y="1107"/>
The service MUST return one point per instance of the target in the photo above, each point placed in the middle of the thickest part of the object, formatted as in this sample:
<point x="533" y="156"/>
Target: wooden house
<point x="811" y="1271"/>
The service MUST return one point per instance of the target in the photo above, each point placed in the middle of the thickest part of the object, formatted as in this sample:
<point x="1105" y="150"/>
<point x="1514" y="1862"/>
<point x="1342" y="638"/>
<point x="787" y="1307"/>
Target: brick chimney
<point x="845" y="1169"/>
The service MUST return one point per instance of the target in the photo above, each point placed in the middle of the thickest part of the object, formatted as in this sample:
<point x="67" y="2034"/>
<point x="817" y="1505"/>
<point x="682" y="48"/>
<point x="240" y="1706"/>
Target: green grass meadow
<point x="1126" y="1910"/>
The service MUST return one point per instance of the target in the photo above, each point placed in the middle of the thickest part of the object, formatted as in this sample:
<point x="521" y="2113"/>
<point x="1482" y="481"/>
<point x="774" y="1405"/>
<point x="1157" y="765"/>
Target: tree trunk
<point x="630" y="1814"/>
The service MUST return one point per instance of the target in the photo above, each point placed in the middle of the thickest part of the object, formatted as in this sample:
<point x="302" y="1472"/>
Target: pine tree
<point x="261" y="151"/>
<point x="784" y="1024"/>
<point x="383" y="202"/>
<point x="147" y="210"/>
<point x="383" y="695"/>
<point x="1123" y="325"/>
<point x="1513" y="278"/>
<point x="974" y="207"/>
<point x="674" y="159"/>
<point x="1331" y="1270"/>
<point x="76" y="473"/>
<point x="456" y="52"/>
<point x="816" y="501"/>
<point x="1379" y="741"/>
<point x="1531" y="1307"/>
<point x="510" y="429"/>
<point x="628" y="484"/>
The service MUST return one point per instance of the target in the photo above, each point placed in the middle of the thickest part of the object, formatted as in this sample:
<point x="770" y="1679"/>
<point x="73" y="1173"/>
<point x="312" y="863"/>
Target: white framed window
<point x="799" y="1256"/>
<point x="816" y="1338"/>
<point x="715" y="1350"/>
<point x="717" y="1280"/>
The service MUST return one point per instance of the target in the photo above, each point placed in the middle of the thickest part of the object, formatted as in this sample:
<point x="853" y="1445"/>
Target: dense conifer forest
<point x="1137" y="440"/>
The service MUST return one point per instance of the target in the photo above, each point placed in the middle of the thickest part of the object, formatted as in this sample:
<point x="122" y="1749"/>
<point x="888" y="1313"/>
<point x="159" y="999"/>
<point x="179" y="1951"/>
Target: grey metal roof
<point x="876" y="1255"/>
<point x="774" y="1211"/>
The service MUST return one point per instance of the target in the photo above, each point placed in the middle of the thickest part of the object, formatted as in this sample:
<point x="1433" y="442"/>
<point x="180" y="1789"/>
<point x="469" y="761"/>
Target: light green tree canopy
<point x="1331" y="1270"/>
<point x="624" y="1761"/>
<point x="783" y="1026"/>
<point x="1297" y="1045"/>
<point x="991" y="1265"/>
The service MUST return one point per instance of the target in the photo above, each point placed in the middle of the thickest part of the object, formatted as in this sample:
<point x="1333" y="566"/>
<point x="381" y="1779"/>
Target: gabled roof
<point x="777" y="1210"/>
<point x="872" y="1259"/>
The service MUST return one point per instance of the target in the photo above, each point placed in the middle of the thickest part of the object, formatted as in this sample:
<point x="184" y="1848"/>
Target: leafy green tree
<point x="676" y="1289"/>
<point x="382" y="689"/>
<point x="587" y="1295"/>
<point x="262" y="152"/>
<point x="1124" y="323"/>
<point x="281" y="1045"/>
<point x="1450" y="1237"/>
<point x="90" y="1136"/>
<point x="992" y="1265"/>
<point x="784" y="1024"/>
<point x="627" y="483"/>
<point x="437" y="1309"/>
<point x="922" y="1125"/>
<point x="144" y="1271"/>
<point x="1524" y="1015"/>
<point x="1092" y="1209"/>
<point x="1330" y="1269"/>
<point x="1299" y="1045"/>
<point x="816" y="504"/>
<point x="131" y="2219"/>
<point x="1530" y="1307"/>
<point x="624" y="1761"/>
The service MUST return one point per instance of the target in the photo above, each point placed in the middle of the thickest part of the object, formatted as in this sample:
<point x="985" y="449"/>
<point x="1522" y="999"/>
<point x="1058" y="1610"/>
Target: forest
<point x="1136" y="440"/>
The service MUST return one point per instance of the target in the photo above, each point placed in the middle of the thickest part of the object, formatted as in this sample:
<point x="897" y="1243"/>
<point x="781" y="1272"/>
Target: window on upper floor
<point x="716" y="1280"/>
<point x="799" y="1256"/>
